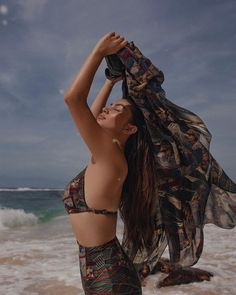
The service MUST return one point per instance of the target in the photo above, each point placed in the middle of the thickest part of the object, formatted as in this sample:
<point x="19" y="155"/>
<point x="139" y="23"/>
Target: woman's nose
<point x="105" y="110"/>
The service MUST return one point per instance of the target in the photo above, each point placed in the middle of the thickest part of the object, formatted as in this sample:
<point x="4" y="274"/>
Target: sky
<point x="44" y="43"/>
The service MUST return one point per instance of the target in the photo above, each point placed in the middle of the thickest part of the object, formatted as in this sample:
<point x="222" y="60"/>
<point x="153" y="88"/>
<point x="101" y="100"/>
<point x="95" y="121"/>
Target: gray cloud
<point x="43" y="44"/>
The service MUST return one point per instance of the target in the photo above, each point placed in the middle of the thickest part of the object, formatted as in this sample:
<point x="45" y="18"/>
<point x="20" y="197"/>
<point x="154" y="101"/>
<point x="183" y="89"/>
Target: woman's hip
<point x="107" y="268"/>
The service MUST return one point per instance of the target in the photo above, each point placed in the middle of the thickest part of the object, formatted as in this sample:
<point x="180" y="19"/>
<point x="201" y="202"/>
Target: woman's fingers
<point x="123" y="43"/>
<point x="114" y="35"/>
<point x="117" y="37"/>
<point x="120" y="39"/>
<point x="111" y="34"/>
<point x="112" y="43"/>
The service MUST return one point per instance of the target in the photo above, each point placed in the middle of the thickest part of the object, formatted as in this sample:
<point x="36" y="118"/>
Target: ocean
<point x="39" y="254"/>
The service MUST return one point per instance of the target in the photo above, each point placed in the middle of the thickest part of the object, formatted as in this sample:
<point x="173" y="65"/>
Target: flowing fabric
<point x="192" y="188"/>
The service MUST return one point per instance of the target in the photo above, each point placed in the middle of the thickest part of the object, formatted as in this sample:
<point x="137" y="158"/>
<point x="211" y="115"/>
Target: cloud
<point x="45" y="43"/>
<point x="3" y="9"/>
<point x="30" y="10"/>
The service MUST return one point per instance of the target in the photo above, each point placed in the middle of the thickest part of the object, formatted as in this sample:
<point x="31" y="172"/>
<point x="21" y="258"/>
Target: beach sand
<point x="43" y="259"/>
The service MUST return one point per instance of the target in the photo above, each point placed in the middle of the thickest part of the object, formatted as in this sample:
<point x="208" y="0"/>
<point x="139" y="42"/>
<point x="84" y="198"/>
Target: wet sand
<point x="43" y="259"/>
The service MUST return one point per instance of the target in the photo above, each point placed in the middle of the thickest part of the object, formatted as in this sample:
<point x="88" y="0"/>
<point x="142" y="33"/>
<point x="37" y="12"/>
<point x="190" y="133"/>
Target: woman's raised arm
<point x="101" y="99"/>
<point x="79" y="88"/>
<point x="97" y="140"/>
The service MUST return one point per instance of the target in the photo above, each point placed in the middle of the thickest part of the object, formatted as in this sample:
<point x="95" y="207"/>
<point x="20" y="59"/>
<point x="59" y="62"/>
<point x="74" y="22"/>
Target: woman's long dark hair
<point x="139" y="200"/>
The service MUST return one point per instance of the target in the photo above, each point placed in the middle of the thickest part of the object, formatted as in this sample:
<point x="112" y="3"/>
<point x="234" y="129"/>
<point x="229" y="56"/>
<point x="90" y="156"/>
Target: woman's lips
<point x="101" y="117"/>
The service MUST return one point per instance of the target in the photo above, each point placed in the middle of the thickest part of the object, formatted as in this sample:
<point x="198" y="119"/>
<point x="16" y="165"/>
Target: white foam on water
<point x="12" y="218"/>
<point x="49" y="252"/>
<point x="24" y="189"/>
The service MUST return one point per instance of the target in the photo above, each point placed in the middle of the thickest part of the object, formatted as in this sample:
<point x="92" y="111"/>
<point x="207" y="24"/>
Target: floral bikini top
<point x="74" y="200"/>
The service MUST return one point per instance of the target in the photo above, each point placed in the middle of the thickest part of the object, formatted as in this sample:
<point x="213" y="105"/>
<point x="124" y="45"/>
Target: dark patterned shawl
<point x="192" y="189"/>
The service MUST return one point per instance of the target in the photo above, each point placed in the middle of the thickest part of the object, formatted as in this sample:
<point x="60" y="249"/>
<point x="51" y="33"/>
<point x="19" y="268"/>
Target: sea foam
<point x="12" y="218"/>
<point x="25" y="189"/>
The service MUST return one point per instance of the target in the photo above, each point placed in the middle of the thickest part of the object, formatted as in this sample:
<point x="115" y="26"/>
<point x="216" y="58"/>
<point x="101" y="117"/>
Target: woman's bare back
<point x="103" y="182"/>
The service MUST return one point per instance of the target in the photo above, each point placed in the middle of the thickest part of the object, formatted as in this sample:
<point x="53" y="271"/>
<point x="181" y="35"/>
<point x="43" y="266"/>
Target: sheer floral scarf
<point x="192" y="188"/>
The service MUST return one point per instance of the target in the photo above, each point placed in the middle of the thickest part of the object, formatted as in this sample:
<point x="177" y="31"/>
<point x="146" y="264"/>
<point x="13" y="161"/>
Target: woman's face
<point x="115" y="116"/>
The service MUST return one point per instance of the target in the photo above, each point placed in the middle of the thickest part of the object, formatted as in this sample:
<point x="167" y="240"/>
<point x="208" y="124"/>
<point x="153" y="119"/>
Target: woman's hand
<point x="111" y="43"/>
<point x="117" y="79"/>
<point x="114" y="81"/>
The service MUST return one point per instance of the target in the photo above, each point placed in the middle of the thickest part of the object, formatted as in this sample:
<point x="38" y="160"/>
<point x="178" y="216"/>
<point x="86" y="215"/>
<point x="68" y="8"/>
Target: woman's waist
<point x="93" y="229"/>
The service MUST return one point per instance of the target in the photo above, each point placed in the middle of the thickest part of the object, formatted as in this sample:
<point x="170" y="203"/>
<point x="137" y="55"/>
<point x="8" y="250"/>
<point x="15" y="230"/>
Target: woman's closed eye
<point x="117" y="108"/>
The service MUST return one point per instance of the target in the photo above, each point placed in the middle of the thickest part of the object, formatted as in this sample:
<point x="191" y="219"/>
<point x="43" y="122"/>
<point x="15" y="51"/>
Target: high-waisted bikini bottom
<point x="106" y="269"/>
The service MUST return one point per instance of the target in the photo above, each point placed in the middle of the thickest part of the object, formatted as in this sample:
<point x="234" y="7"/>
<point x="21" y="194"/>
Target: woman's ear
<point x="130" y="129"/>
<point x="134" y="129"/>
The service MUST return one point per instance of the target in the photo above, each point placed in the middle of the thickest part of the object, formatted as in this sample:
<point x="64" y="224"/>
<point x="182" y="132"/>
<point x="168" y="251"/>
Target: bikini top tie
<point x="74" y="200"/>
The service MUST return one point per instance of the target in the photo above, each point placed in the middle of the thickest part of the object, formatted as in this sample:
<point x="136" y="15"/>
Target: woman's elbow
<point x="74" y="100"/>
<point x="68" y="97"/>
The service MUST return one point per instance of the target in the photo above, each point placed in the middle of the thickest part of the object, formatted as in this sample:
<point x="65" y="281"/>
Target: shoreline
<point x="44" y="259"/>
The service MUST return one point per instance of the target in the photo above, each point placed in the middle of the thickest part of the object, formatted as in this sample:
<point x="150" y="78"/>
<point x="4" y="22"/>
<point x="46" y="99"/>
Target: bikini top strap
<point x="101" y="211"/>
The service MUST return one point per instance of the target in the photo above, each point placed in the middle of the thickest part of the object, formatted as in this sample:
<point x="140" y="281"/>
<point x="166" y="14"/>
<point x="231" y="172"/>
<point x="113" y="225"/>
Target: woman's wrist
<point x="109" y="82"/>
<point x="98" y="52"/>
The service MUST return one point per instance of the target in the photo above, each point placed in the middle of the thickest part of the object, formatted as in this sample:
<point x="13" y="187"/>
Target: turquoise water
<point x="38" y="205"/>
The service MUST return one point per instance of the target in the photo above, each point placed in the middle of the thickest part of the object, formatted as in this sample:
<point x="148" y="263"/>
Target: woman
<point x="168" y="140"/>
<point x="119" y="145"/>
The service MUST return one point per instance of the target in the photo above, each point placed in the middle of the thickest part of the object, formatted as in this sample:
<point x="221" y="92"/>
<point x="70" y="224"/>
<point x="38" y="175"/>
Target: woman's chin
<point x="100" y="122"/>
